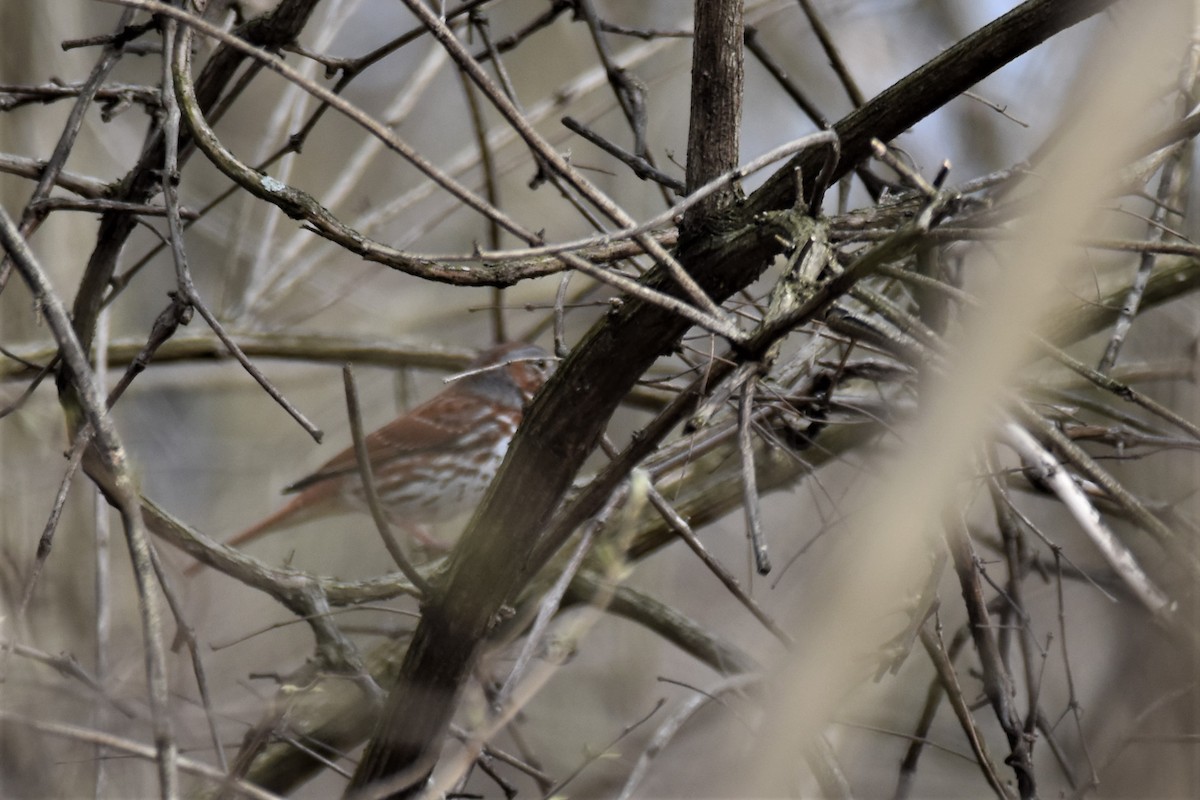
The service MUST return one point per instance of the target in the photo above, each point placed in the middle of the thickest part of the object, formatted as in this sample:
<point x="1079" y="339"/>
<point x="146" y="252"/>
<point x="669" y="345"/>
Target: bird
<point x="429" y="464"/>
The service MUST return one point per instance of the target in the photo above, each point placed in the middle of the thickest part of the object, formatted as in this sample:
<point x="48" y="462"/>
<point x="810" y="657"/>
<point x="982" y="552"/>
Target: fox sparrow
<point x="432" y="463"/>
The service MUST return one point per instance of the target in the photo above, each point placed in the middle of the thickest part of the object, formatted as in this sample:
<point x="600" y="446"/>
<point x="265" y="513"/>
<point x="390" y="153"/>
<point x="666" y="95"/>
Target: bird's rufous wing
<point x="434" y="425"/>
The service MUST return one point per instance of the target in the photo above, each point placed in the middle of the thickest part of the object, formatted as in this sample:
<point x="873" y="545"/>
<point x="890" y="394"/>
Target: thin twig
<point x="548" y="607"/>
<point x="134" y="749"/>
<point x="750" y="498"/>
<point x="183" y="278"/>
<point x="112" y="459"/>
<point x="82" y="185"/>
<point x="685" y="532"/>
<point x="491" y="191"/>
<point x="370" y="493"/>
<point x="824" y="139"/>
<point x="776" y="71"/>
<point x="997" y="683"/>
<point x="1168" y="188"/>
<point x="98" y="205"/>
<point x="640" y="166"/>
<point x="30" y="219"/>
<point x="936" y="650"/>
<point x="675" y="722"/>
<point x="831" y="52"/>
<point x="556" y="790"/>
<point x="68" y="666"/>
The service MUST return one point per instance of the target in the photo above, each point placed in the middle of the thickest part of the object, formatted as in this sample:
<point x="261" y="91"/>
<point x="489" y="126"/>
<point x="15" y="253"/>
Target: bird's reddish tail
<point x="307" y="505"/>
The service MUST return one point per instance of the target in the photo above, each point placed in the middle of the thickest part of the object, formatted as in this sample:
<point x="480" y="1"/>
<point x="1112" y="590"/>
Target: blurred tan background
<point x="209" y="446"/>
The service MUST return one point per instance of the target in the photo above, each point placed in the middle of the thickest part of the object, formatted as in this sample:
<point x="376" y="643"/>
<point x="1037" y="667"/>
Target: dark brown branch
<point x="714" y="126"/>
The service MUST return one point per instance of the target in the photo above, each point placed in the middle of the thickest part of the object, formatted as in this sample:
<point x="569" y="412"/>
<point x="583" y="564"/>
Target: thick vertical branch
<point x="716" y="113"/>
